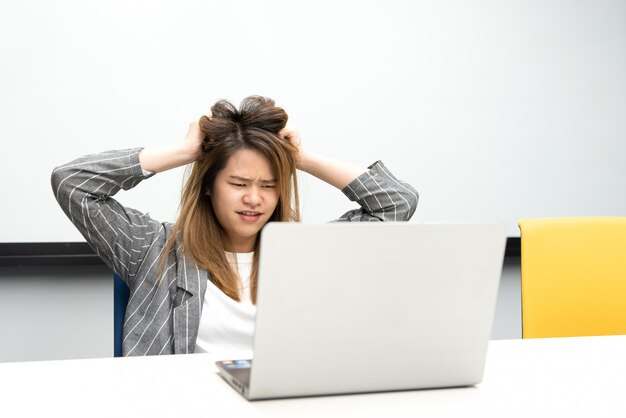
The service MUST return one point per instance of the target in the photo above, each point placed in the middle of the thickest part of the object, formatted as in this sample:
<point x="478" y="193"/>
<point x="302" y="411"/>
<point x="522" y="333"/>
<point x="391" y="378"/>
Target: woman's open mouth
<point x="250" y="216"/>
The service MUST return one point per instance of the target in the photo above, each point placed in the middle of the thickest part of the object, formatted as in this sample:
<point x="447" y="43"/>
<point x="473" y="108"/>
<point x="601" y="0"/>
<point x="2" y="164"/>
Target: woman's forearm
<point x="166" y="158"/>
<point x="337" y="173"/>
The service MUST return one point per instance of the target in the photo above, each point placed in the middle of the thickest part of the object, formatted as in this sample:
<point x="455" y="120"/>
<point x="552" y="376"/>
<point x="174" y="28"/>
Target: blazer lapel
<point x="191" y="283"/>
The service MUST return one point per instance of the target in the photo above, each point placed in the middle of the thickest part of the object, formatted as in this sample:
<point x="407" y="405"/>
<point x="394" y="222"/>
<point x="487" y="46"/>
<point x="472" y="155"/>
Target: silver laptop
<point x="363" y="307"/>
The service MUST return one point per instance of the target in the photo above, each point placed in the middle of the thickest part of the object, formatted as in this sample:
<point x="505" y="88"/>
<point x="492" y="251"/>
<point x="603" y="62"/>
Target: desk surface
<point x="527" y="378"/>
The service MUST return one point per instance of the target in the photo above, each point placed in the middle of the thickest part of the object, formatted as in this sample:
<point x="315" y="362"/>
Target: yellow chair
<point x="573" y="276"/>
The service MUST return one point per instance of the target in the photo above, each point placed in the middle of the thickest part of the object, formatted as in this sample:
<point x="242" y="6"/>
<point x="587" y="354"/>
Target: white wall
<point x="493" y="110"/>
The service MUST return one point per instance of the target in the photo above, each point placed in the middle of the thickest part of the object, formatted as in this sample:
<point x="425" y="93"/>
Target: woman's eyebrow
<point x="247" y="179"/>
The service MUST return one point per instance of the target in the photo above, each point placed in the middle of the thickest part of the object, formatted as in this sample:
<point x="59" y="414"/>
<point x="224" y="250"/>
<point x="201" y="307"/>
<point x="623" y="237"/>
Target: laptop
<point x="363" y="307"/>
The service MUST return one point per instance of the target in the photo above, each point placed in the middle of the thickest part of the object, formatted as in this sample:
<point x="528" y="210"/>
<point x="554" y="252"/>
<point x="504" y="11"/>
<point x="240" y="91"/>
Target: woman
<point x="193" y="283"/>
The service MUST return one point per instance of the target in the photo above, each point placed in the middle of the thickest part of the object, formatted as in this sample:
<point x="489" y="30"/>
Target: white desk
<point x="570" y="377"/>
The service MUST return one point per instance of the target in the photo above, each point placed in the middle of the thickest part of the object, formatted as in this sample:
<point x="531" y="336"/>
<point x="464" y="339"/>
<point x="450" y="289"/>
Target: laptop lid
<point x="362" y="307"/>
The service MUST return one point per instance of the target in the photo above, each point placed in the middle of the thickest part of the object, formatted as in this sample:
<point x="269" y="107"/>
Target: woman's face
<point x="244" y="196"/>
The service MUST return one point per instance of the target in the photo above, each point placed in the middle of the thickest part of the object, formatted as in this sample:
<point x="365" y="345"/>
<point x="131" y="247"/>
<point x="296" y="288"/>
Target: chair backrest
<point x="120" y="300"/>
<point x="573" y="276"/>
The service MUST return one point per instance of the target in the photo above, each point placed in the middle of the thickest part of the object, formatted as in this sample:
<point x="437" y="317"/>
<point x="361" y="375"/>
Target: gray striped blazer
<point x="162" y="316"/>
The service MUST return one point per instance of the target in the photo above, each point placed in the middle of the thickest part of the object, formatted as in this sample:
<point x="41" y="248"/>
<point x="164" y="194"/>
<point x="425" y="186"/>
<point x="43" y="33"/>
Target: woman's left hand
<point x="293" y="137"/>
<point x="334" y="172"/>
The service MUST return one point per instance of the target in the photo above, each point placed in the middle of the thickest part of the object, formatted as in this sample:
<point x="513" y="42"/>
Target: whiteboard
<point x="492" y="110"/>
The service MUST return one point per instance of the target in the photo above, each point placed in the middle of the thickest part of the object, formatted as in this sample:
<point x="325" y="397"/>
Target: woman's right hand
<point x="192" y="143"/>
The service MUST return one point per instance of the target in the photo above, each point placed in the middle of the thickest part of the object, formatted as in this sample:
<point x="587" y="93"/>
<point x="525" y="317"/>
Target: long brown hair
<point x="254" y="126"/>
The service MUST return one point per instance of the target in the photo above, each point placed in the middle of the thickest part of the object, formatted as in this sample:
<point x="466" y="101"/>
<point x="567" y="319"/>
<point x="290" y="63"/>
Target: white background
<point x="493" y="110"/>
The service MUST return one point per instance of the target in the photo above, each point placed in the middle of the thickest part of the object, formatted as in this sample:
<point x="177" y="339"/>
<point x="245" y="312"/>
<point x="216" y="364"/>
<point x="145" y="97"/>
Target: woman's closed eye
<point x="263" y="186"/>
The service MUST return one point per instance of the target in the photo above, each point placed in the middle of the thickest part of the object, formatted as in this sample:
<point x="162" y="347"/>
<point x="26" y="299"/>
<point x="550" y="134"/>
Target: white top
<point x="226" y="326"/>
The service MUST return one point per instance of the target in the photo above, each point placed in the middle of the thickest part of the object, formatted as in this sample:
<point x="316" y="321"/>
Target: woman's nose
<point x="252" y="196"/>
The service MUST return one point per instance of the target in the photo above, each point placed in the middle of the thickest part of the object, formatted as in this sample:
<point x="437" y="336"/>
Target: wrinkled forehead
<point x="251" y="165"/>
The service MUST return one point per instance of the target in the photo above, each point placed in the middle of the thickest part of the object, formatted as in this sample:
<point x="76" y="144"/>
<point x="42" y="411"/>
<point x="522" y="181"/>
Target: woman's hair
<point x="255" y="126"/>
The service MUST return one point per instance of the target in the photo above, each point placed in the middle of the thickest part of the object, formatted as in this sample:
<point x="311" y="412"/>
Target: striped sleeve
<point x="381" y="197"/>
<point x="120" y="236"/>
